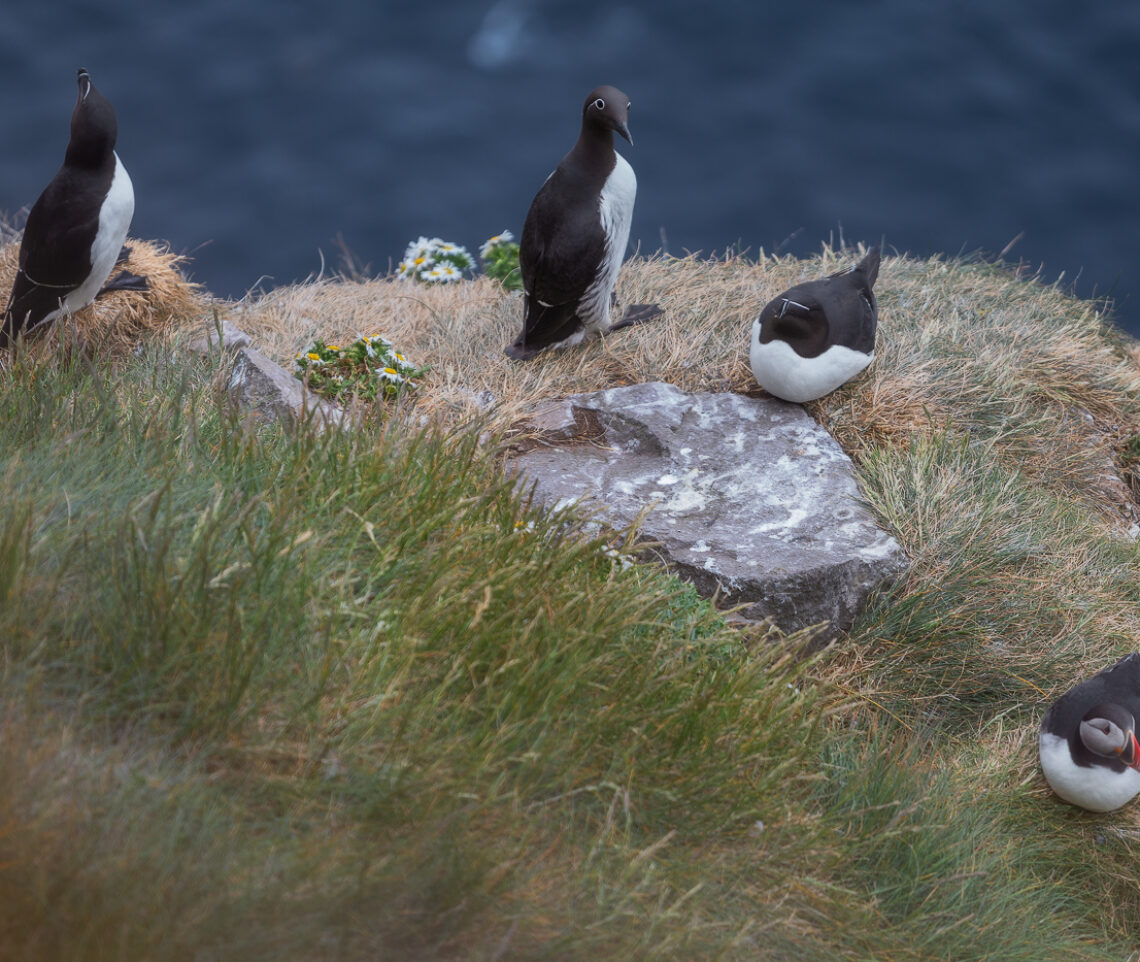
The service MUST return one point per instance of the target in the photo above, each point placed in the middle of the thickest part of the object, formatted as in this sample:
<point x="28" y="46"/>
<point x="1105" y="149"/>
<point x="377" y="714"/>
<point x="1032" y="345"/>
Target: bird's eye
<point x="600" y="104"/>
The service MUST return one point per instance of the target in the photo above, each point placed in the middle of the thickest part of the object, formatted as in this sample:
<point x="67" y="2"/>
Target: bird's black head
<point x="797" y="318"/>
<point x="607" y="108"/>
<point x="1109" y="730"/>
<point x="94" y="128"/>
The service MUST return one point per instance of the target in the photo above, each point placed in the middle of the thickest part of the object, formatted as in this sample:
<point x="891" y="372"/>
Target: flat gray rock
<point x="266" y="388"/>
<point x="749" y="498"/>
<point x="227" y="337"/>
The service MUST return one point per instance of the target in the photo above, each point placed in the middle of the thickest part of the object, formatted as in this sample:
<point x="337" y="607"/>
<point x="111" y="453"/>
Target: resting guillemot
<point x="75" y="231"/>
<point x="575" y="234"/>
<point x="817" y="335"/>
<point x="1087" y="742"/>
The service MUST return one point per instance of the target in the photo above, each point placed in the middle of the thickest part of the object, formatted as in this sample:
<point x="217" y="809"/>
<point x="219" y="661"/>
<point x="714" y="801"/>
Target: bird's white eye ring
<point x="600" y="104"/>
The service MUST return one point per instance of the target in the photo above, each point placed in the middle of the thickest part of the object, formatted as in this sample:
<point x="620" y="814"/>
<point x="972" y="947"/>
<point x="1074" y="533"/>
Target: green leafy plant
<point x="500" y="256"/>
<point x="434" y="261"/>
<point x="368" y="368"/>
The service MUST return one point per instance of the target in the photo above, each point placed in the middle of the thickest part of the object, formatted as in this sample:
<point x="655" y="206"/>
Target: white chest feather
<point x="782" y="372"/>
<point x="615" y="208"/>
<point x="1094" y="788"/>
<point x="114" y="221"/>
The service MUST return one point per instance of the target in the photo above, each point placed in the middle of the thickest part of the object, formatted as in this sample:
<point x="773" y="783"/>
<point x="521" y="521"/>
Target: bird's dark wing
<point x="54" y="259"/>
<point x="56" y="249"/>
<point x="853" y="312"/>
<point x="1124" y="676"/>
<point x="561" y="247"/>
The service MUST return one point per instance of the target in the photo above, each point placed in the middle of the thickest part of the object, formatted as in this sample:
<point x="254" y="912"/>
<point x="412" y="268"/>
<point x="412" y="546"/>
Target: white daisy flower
<point x="504" y="238"/>
<point x="420" y="247"/>
<point x="445" y="273"/>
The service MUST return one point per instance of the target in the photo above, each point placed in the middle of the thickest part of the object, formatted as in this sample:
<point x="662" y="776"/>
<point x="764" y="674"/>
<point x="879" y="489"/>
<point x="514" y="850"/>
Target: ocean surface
<point x="265" y="139"/>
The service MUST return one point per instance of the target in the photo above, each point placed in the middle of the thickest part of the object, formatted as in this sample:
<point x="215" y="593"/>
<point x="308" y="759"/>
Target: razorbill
<point x="817" y="335"/>
<point x="75" y="230"/>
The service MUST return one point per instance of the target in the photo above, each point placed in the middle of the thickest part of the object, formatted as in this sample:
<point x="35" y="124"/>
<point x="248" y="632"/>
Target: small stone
<point x="231" y="338"/>
<point x="271" y="392"/>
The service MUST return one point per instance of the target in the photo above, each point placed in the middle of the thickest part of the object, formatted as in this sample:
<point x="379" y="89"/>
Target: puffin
<point x="575" y="235"/>
<point x="818" y="335"/>
<point x="74" y="235"/>
<point x="1087" y="742"/>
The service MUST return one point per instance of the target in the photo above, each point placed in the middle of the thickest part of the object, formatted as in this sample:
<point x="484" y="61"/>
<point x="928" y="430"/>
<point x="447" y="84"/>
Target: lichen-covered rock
<point x="749" y="498"/>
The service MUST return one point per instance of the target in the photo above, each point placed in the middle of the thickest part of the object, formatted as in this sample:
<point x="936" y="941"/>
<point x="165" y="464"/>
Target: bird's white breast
<point x="782" y="372"/>
<point x="615" y="209"/>
<point x="1096" y="788"/>
<point x="114" y="221"/>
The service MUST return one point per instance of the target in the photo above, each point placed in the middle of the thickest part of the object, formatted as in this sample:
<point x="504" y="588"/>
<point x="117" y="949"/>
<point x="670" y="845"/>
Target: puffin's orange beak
<point x="1130" y="753"/>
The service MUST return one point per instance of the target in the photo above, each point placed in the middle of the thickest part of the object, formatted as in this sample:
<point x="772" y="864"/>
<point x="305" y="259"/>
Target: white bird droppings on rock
<point x="757" y="502"/>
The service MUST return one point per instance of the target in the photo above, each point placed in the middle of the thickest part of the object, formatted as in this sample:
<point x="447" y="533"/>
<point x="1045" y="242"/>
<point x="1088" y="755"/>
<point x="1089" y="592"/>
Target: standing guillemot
<point x="1088" y="747"/>
<point x="575" y="235"/>
<point x="75" y="231"/>
<point x="817" y="335"/>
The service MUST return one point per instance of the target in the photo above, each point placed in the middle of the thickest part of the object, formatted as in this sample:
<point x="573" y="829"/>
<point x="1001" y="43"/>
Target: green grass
<point x="377" y="682"/>
<point x="275" y="694"/>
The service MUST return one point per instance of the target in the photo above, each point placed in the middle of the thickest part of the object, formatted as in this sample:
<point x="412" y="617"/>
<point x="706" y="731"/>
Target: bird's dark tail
<point x="543" y="327"/>
<point x="869" y="265"/>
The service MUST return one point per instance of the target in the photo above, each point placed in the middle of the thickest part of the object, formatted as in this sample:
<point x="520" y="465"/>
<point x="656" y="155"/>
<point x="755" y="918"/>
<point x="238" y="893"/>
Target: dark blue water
<point x="257" y="133"/>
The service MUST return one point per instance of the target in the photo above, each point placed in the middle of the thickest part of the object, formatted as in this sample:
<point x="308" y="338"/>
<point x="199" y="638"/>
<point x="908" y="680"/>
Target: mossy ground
<point x="273" y="694"/>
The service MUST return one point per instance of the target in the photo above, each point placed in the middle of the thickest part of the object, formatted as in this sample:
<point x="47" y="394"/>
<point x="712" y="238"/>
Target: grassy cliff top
<point x="274" y="695"/>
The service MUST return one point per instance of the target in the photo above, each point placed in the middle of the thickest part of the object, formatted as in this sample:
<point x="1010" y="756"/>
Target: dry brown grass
<point x="967" y="345"/>
<point x="701" y="343"/>
<point x="948" y="333"/>
<point x="117" y="321"/>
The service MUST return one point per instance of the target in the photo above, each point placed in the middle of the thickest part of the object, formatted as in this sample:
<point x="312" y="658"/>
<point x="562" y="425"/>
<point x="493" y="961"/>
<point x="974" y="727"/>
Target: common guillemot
<point x="575" y="235"/>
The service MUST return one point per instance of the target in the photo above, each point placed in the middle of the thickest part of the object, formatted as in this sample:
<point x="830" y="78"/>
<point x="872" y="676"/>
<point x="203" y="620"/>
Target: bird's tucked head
<point x="796" y="318"/>
<point x="1110" y="731"/>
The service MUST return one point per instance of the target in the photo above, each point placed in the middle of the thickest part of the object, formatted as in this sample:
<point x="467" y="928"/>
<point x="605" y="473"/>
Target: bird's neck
<point x="595" y="146"/>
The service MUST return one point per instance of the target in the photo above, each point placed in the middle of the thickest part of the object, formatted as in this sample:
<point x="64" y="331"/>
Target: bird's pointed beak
<point x="623" y="129"/>
<point x="1130" y="753"/>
